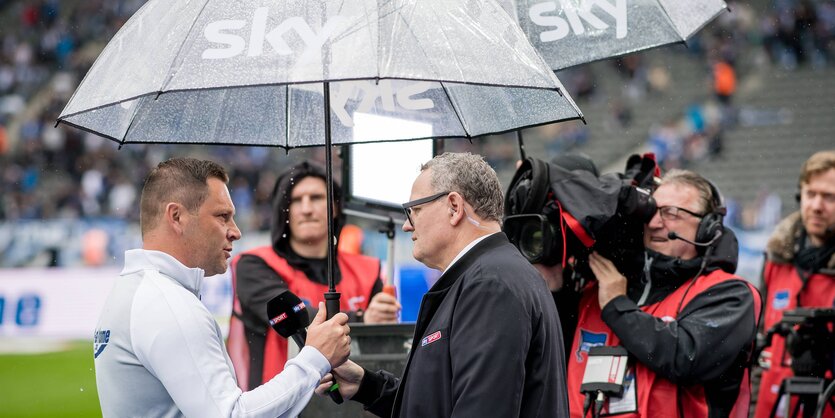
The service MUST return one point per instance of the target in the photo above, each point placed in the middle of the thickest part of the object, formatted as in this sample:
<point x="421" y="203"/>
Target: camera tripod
<point x="813" y="394"/>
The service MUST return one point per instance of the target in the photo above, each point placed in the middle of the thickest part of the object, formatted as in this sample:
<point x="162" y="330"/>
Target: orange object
<point x="390" y="289"/>
<point x="350" y="239"/>
<point x="724" y="78"/>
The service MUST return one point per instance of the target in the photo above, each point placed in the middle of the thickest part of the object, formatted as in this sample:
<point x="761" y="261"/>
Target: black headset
<point x="711" y="222"/>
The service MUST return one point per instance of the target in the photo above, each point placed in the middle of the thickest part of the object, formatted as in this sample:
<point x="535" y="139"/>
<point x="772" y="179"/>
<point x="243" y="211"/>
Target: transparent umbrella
<point x="315" y="72"/>
<point x="574" y="32"/>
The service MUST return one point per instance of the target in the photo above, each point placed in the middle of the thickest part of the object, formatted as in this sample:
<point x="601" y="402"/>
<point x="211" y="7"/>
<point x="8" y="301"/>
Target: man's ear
<point x="456" y="208"/>
<point x="174" y="216"/>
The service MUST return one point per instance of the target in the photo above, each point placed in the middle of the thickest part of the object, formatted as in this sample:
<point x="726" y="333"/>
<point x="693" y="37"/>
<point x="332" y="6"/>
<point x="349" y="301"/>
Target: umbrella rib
<point x="379" y="43"/>
<point x="455" y="109"/>
<point x="425" y="54"/>
<point x="672" y="23"/>
<point x="287" y="116"/>
<point x="176" y="60"/>
<point x="132" y="119"/>
<point x="454" y="56"/>
<point x="706" y="22"/>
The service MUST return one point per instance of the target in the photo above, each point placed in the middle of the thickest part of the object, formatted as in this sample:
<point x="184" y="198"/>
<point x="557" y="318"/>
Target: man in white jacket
<point x="158" y="350"/>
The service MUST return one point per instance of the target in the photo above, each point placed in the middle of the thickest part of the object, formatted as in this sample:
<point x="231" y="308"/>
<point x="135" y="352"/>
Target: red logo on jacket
<point x="431" y="338"/>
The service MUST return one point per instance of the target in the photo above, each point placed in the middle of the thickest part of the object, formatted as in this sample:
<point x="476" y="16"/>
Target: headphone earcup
<point x="708" y="226"/>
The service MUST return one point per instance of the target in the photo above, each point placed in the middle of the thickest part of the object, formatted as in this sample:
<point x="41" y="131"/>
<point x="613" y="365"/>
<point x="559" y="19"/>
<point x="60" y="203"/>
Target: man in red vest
<point x="799" y="268"/>
<point x="297" y="260"/>
<point x="687" y="322"/>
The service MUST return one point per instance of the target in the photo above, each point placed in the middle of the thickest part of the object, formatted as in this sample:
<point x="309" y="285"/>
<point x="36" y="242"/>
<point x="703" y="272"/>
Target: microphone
<point x="716" y="236"/>
<point x="288" y="317"/>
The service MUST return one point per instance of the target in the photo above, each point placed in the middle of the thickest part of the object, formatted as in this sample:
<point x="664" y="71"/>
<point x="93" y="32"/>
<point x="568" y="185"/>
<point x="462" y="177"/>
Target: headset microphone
<point x="716" y="236"/>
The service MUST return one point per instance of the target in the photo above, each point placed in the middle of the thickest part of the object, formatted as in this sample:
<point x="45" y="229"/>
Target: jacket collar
<point x="785" y="242"/>
<point x="139" y="259"/>
<point x="454" y="271"/>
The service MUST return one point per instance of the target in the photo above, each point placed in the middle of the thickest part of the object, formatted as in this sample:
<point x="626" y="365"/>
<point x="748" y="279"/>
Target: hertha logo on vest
<point x="100" y="340"/>
<point x="588" y="340"/>
<point x="781" y="300"/>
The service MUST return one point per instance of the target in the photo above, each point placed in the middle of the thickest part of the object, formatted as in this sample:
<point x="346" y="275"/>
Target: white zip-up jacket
<point x="159" y="352"/>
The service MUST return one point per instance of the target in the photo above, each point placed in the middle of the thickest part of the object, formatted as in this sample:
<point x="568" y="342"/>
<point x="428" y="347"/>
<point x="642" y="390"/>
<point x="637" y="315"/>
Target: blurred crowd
<point x="48" y="172"/>
<point x="65" y="173"/>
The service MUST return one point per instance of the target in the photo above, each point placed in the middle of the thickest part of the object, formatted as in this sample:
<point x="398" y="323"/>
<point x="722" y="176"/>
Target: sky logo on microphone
<point x="298" y="308"/>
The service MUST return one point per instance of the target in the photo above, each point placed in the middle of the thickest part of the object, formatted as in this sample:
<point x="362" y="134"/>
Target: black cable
<point x="586" y="404"/>
<point x="825" y="398"/>
<point x="708" y="253"/>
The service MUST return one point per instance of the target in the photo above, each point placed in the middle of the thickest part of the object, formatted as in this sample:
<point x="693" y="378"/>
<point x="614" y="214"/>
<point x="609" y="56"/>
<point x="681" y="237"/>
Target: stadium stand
<point x="778" y="115"/>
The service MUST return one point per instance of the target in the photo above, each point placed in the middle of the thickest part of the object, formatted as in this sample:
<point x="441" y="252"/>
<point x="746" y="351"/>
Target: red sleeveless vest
<point x="359" y="273"/>
<point x="784" y="286"/>
<point x="656" y="397"/>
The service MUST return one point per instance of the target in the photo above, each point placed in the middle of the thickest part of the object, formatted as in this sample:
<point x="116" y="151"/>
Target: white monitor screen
<point x="383" y="173"/>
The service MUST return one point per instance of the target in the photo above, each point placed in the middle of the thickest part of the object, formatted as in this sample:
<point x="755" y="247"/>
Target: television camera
<point x="556" y="213"/>
<point x="810" y="343"/>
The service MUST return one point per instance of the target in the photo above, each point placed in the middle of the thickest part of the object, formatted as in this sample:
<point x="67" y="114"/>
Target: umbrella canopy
<point x="574" y="32"/>
<point x="254" y="73"/>
<point x="295" y="73"/>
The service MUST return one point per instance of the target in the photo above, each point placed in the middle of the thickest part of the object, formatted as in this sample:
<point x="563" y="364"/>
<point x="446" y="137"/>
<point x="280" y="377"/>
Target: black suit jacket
<point x="487" y="343"/>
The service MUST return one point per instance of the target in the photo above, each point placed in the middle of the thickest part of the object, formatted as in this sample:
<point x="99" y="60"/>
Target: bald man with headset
<point x="687" y="322"/>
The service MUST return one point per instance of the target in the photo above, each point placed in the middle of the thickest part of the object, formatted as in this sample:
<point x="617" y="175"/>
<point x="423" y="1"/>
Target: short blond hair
<point x="819" y="162"/>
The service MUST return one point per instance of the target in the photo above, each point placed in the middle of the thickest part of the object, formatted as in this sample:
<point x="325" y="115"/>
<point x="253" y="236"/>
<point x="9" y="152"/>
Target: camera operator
<point x="799" y="269"/>
<point x="687" y="322"/>
<point x="676" y="337"/>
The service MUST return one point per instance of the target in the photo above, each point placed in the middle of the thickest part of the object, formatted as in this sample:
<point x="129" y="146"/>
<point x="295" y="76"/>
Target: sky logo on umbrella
<point x="570" y="17"/>
<point x="226" y="32"/>
<point x="367" y="93"/>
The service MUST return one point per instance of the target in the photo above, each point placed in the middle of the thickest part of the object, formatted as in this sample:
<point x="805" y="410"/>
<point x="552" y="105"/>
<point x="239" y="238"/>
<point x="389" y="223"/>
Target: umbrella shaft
<point x="329" y="184"/>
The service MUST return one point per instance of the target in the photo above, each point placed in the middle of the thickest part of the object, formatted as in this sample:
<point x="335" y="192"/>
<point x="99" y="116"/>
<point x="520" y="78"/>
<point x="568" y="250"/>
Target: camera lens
<point x="530" y="240"/>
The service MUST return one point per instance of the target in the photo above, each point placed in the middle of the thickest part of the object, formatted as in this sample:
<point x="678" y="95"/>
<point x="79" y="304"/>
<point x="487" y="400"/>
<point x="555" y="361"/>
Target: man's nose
<point x="307" y="205"/>
<point x="656" y="222"/>
<point x="234" y="232"/>
<point x="407" y="226"/>
<point x="816" y="201"/>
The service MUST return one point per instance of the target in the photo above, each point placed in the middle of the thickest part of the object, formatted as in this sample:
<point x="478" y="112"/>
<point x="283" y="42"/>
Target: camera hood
<point x="528" y="189"/>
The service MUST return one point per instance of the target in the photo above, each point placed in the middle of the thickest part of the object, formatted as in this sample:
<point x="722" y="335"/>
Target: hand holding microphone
<point x="288" y="316"/>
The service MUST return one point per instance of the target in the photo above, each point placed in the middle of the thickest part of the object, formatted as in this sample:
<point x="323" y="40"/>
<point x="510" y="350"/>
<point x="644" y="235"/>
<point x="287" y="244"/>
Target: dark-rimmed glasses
<point x="407" y="207"/>
<point x="672" y="213"/>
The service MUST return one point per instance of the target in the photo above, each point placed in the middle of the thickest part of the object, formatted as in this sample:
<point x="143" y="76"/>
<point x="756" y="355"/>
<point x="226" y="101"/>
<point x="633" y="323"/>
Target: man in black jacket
<point x="487" y="340"/>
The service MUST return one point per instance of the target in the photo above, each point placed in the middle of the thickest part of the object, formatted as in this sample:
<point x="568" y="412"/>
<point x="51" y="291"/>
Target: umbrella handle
<point x="522" y="153"/>
<point x="332" y="303"/>
<point x="332" y="308"/>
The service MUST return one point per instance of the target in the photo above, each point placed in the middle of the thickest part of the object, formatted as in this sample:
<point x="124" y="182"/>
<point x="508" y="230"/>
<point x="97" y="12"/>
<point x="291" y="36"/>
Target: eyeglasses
<point x="673" y="213"/>
<point x="407" y="207"/>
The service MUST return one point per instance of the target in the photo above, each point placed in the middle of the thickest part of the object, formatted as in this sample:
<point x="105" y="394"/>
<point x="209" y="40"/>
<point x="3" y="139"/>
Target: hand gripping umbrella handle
<point x="332" y="307"/>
